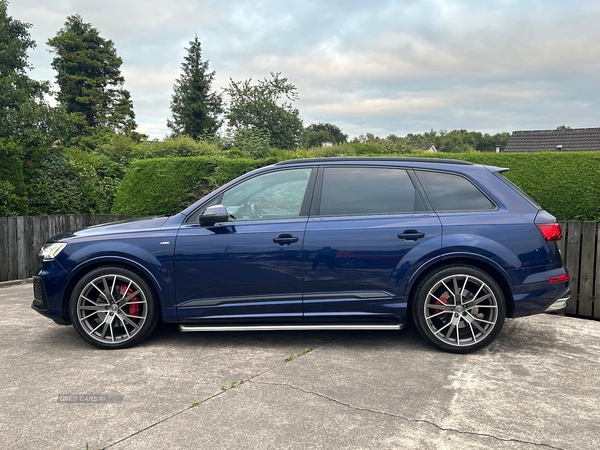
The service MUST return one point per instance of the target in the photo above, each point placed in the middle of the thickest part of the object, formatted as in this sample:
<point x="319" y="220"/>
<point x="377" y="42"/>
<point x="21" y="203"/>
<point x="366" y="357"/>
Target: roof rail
<point x="374" y="158"/>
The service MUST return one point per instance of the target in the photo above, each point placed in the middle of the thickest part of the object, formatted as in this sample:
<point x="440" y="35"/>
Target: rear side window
<point x="367" y="190"/>
<point x="518" y="190"/>
<point x="450" y="192"/>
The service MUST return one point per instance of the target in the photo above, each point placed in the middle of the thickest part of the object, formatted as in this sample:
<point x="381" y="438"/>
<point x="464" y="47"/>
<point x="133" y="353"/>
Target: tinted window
<point x="271" y="195"/>
<point x="449" y="192"/>
<point x="367" y="190"/>
<point x="518" y="190"/>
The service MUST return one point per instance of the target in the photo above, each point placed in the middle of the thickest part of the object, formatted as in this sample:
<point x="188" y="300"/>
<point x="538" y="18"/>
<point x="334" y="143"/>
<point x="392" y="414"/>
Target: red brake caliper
<point x="441" y="301"/>
<point x="134" y="309"/>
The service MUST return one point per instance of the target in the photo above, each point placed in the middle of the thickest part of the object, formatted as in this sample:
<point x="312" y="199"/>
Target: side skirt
<point x="189" y="328"/>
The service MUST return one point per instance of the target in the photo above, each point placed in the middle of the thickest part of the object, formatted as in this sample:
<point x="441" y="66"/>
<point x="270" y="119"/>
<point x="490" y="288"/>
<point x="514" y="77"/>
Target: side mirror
<point x="212" y="215"/>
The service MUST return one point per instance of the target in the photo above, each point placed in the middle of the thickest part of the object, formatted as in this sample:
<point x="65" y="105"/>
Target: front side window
<point x="273" y="195"/>
<point x="367" y="190"/>
<point x="450" y="192"/>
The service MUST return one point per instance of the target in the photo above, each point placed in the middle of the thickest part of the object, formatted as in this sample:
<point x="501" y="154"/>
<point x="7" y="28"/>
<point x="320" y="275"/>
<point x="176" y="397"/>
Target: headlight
<point x="51" y="251"/>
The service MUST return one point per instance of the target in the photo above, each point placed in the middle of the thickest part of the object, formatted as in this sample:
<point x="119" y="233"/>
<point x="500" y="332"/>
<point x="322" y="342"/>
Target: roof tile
<point x="573" y="140"/>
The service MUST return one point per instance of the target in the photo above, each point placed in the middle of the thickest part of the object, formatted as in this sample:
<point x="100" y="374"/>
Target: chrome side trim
<point x="249" y="299"/>
<point x="189" y="328"/>
<point x="362" y="295"/>
<point x="294" y="297"/>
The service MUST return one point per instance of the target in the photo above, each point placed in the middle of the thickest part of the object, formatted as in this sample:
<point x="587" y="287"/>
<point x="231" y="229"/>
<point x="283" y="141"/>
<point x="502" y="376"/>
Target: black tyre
<point x="459" y="308"/>
<point x="113" y="307"/>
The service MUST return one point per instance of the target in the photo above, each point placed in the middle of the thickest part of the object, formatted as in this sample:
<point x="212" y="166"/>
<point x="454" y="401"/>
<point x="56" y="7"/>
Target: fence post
<point x="21" y="261"/>
<point x="29" y="247"/>
<point x="596" y="301"/>
<point x="572" y="263"/>
<point x="3" y="248"/>
<point x="37" y="238"/>
<point x="586" y="271"/>
<point x="12" y="248"/>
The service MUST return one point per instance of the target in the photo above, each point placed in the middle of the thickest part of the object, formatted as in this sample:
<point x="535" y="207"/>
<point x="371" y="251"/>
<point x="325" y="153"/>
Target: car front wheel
<point x="459" y="308"/>
<point x="113" y="307"/>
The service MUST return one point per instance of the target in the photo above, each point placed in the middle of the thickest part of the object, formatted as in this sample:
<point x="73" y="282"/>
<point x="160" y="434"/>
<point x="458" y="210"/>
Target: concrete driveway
<point x="537" y="386"/>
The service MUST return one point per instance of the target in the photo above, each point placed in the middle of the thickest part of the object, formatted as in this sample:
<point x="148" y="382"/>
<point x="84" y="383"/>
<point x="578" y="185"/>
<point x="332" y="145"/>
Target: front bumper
<point x="41" y="304"/>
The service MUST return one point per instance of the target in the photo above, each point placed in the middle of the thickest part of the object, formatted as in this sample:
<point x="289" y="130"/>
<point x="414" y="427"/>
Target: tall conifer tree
<point x="194" y="108"/>
<point x="23" y="112"/>
<point x="89" y="77"/>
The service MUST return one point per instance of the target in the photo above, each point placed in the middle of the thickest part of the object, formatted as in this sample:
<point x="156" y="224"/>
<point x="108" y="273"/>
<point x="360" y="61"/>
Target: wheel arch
<point x="492" y="270"/>
<point x="82" y="270"/>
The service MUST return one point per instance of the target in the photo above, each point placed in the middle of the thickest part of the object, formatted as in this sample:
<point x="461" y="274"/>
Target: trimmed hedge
<point x="566" y="184"/>
<point x="168" y="185"/>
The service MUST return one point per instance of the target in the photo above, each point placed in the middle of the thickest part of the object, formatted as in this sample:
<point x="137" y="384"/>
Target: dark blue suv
<point x="314" y="244"/>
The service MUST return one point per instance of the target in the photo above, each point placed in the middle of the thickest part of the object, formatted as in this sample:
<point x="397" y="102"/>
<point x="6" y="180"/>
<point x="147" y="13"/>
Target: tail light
<point x="559" y="278"/>
<point x="550" y="231"/>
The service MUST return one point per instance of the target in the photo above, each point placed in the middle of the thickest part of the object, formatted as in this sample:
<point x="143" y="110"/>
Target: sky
<point x="378" y="66"/>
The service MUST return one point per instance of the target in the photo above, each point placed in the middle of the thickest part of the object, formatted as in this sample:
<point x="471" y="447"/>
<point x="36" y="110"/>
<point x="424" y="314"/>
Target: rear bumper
<point x="536" y="298"/>
<point x="560" y="303"/>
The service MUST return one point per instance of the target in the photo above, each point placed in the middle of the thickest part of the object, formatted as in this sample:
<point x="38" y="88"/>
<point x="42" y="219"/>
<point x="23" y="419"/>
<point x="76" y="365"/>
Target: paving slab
<point x="536" y="386"/>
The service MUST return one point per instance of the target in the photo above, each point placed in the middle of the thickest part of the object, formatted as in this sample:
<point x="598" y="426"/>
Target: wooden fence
<point x="21" y="238"/>
<point x="580" y="248"/>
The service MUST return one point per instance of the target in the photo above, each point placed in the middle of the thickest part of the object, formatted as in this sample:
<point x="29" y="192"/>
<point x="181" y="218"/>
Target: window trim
<point x="500" y="175"/>
<point x="192" y="218"/>
<point x="315" y="210"/>
<point x="491" y="200"/>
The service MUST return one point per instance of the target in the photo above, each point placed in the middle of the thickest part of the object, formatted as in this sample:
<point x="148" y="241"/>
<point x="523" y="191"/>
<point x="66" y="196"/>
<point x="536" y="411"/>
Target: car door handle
<point x="411" y="235"/>
<point x="284" y="239"/>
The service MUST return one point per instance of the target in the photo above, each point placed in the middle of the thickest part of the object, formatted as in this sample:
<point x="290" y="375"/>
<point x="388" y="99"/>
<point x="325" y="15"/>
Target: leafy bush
<point x="9" y="201"/>
<point x="123" y="149"/>
<point x="254" y="142"/>
<point x="72" y="181"/>
<point x="12" y="186"/>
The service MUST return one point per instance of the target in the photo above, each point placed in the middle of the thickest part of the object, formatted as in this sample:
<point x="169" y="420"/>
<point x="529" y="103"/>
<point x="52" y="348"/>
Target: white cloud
<point x="383" y="66"/>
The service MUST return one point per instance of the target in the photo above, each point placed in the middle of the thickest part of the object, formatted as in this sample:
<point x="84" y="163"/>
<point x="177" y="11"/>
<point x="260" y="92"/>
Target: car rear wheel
<point x="113" y="307"/>
<point x="459" y="308"/>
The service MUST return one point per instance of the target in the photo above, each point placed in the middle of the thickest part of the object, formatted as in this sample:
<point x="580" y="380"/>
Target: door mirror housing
<point x="213" y="214"/>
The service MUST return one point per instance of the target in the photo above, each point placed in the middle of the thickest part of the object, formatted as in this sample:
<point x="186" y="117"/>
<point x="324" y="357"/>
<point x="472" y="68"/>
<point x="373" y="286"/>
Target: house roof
<point x="574" y="140"/>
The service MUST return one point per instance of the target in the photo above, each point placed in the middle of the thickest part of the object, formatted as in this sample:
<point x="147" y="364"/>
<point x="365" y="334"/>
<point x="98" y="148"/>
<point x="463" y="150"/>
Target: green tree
<point x="266" y="106"/>
<point x="194" y="107"/>
<point x="317" y="133"/>
<point x="460" y="140"/>
<point x="312" y="139"/>
<point x="24" y="115"/>
<point x="389" y="145"/>
<point x="89" y="77"/>
<point x="457" y="141"/>
<point x="488" y="143"/>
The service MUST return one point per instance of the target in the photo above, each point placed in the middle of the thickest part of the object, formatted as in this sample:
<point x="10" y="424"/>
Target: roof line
<point x="374" y="159"/>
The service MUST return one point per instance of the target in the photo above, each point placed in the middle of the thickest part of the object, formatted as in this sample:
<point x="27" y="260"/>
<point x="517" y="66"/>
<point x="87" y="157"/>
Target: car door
<point x="248" y="269"/>
<point x="369" y="229"/>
